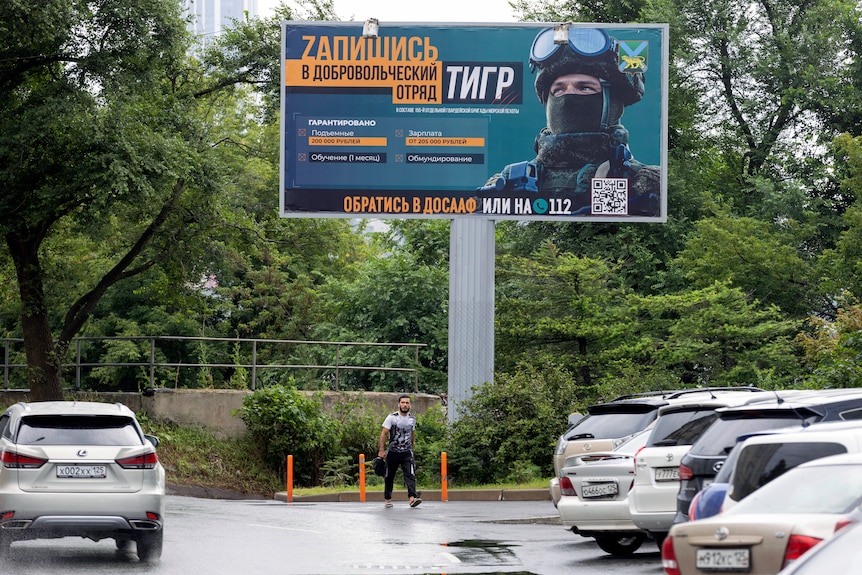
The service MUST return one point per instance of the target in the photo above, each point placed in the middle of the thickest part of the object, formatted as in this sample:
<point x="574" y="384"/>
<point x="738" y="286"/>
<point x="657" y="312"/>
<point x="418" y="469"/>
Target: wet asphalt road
<point x="218" y="537"/>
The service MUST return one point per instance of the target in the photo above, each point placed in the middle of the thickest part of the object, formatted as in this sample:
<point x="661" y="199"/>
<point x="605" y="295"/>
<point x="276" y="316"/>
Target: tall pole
<point x="471" y="308"/>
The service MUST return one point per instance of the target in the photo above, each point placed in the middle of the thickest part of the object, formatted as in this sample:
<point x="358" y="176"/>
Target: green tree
<point x="609" y="11"/>
<point x="82" y="140"/>
<point x="393" y="298"/>
<point x="558" y="309"/>
<point x="106" y="138"/>
<point x="720" y="336"/>
<point x="765" y="73"/>
<point x="833" y="349"/>
<point x="556" y="304"/>
<point x="760" y="258"/>
<point x="839" y="267"/>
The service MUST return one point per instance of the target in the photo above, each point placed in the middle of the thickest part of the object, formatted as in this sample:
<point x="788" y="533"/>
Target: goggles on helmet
<point x="583" y="41"/>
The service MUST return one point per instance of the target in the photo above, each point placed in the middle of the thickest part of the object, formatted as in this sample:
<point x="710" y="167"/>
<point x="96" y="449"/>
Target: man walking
<point x="398" y="427"/>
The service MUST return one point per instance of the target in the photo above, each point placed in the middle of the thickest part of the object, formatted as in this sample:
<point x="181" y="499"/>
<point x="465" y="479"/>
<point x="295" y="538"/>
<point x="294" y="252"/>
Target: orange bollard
<point x="444" y="487"/>
<point x="290" y="479"/>
<point x="362" y="478"/>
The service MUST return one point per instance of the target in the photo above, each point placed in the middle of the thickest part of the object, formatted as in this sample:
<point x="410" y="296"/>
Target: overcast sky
<point x="465" y="11"/>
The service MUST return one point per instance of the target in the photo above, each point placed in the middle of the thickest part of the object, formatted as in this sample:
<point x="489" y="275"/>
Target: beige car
<point x="773" y="526"/>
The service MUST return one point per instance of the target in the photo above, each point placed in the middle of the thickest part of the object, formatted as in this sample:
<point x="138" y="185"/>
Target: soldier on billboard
<point x="584" y="91"/>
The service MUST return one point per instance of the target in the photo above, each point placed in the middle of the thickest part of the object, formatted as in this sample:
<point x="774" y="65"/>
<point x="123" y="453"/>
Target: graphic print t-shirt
<point x="400" y="430"/>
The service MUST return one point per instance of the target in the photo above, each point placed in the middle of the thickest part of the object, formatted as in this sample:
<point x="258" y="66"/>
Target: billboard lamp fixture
<point x="370" y="28"/>
<point x="561" y="33"/>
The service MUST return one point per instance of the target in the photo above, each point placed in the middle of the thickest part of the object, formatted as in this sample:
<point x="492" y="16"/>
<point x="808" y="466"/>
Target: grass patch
<point x="399" y="485"/>
<point x="195" y="456"/>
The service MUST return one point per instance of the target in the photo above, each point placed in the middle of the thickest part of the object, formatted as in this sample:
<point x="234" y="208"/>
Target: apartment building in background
<point x="211" y="17"/>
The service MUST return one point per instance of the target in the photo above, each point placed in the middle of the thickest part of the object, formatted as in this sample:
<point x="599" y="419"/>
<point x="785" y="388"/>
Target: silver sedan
<point x="594" y="491"/>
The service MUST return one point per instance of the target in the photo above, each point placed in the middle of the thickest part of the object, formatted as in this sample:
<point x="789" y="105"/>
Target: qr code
<point x="610" y="196"/>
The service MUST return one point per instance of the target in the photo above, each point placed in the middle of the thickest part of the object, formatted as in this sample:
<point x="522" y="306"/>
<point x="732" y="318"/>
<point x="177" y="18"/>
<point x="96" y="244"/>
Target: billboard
<point x="502" y="121"/>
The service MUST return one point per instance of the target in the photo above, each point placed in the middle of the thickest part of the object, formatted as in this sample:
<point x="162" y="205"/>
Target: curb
<point x="210" y="492"/>
<point x="427" y="495"/>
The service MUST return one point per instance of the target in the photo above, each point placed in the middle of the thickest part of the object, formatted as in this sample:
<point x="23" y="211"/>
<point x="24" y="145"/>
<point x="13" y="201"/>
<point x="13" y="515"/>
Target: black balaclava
<point x="574" y="113"/>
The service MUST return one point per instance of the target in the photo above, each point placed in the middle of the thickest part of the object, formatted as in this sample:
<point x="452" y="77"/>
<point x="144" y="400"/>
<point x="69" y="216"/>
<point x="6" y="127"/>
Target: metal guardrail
<point x="253" y="365"/>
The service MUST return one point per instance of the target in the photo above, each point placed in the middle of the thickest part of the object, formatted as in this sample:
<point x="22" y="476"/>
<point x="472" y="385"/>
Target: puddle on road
<point x="481" y="551"/>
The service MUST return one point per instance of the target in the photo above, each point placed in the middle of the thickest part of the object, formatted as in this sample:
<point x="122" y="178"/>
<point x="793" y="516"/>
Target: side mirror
<point x="152" y="439"/>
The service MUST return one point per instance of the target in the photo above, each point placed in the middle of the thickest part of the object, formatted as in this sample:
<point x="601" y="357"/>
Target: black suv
<point x="789" y="408"/>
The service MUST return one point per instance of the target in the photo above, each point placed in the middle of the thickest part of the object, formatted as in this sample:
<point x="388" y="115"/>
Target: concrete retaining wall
<point x="214" y="409"/>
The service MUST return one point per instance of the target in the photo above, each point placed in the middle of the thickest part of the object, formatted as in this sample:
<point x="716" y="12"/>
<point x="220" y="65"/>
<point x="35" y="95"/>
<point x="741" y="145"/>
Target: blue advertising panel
<point x="502" y="121"/>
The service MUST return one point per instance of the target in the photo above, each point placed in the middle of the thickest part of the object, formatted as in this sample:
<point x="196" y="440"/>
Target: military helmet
<point x="588" y="51"/>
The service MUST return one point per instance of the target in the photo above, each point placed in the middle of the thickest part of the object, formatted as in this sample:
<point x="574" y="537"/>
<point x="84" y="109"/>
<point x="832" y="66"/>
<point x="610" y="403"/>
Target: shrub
<point x="509" y="428"/>
<point x="283" y="421"/>
<point x="431" y="439"/>
<point x="358" y="428"/>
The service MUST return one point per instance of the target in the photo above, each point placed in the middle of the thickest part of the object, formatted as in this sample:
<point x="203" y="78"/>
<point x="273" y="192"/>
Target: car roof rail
<point x="683" y="392"/>
<point x="659" y="393"/>
<point x="676" y="393"/>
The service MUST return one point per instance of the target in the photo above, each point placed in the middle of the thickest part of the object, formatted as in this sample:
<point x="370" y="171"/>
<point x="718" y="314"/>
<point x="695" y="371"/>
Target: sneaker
<point x="387" y="505"/>
<point x="415" y="502"/>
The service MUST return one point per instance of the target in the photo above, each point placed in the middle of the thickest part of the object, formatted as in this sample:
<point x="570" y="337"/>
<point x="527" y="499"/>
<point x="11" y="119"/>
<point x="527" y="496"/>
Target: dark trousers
<point x="404" y="460"/>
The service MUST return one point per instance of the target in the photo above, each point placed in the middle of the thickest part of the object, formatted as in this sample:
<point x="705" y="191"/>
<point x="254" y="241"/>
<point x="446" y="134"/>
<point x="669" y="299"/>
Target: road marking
<point x="286" y="528"/>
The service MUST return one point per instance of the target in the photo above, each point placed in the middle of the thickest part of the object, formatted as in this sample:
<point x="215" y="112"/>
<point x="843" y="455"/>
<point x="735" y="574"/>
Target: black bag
<point x="379" y="466"/>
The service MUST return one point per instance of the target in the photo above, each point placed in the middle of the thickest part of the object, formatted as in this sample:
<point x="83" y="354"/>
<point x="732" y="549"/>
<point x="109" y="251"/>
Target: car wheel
<point x="150" y="546"/>
<point x="620" y="544"/>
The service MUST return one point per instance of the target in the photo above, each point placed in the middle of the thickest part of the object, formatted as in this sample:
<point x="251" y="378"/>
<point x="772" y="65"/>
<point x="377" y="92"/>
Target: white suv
<point x="79" y="469"/>
<point x="652" y="500"/>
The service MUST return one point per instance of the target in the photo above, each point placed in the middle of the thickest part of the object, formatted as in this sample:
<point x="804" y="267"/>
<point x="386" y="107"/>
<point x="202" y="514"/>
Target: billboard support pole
<point x="471" y="308"/>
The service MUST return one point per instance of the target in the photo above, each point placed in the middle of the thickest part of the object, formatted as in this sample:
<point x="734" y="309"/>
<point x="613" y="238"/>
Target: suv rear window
<point x="77" y="430"/>
<point x="681" y="427"/>
<point x="759" y="464"/>
<point x="724" y="432"/>
<point x="610" y="425"/>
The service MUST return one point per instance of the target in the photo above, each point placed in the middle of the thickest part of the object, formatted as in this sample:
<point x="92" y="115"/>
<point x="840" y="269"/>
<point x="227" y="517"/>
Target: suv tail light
<point x="638" y="452"/>
<point x="842" y="524"/>
<point x="796" y="546"/>
<point x="143" y="461"/>
<point x="685" y="473"/>
<point x="566" y="487"/>
<point x="668" y="557"/>
<point x="14" y="460"/>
